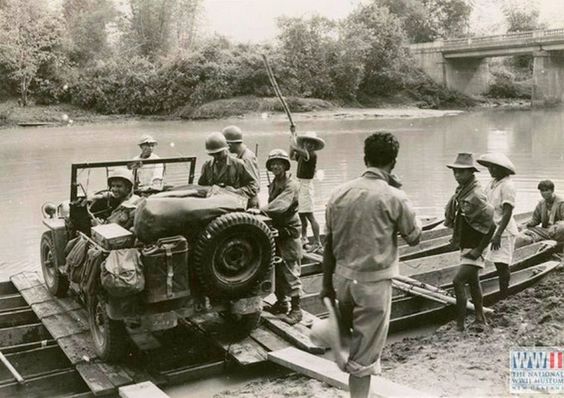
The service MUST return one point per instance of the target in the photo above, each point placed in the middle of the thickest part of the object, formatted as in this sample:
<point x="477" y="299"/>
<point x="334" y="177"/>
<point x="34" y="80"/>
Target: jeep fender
<point x="58" y="232"/>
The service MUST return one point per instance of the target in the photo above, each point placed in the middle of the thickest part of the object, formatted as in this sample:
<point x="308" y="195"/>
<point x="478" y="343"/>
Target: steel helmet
<point x="121" y="173"/>
<point x="215" y="142"/>
<point x="233" y="134"/>
<point x="279" y="154"/>
<point x="147" y="139"/>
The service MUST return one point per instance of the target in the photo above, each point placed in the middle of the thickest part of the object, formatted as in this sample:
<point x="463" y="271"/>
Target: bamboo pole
<point x="12" y="370"/>
<point x="432" y="295"/>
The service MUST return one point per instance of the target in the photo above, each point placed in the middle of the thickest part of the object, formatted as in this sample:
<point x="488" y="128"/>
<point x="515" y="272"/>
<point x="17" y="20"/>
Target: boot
<point x="279" y="307"/>
<point x="295" y="315"/>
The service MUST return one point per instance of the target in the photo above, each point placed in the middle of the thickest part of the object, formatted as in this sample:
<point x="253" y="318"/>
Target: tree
<point x="385" y="54"/>
<point x="306" y="48"/>
<point x="521" y="17"/>
<point x="29" y="37"/>
<point x="86" y="22"/>
<point x="428" y="20"/>
<point x="157" y="27"/>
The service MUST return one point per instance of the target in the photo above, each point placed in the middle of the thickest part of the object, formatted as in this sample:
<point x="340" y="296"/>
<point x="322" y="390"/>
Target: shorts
<point x="479" y="262"/>
<point x="305" y="196"/>
<point x="505" y="252"/>
<point x="364" y="307"/>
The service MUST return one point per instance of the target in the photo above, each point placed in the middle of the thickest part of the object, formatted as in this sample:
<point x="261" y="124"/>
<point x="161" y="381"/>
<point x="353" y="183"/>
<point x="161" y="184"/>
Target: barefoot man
<point x="471" y="218"/>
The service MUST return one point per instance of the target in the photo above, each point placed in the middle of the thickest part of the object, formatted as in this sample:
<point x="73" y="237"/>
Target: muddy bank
<point x="449" y="363"/>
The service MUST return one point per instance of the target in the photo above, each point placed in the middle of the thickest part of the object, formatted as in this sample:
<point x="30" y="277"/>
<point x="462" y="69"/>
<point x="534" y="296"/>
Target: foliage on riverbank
<point x="358" y="60"/>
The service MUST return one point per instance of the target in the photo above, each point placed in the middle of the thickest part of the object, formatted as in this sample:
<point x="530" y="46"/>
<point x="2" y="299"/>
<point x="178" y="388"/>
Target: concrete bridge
<point x="462" y="64"/>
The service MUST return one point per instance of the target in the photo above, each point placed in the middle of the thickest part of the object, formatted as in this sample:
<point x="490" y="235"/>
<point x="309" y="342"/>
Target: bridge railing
<point x="533" y="36"/>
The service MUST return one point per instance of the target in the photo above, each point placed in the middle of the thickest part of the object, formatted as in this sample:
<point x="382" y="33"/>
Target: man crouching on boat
<point x="360" y="259"/>
<point x="471" y="218"/>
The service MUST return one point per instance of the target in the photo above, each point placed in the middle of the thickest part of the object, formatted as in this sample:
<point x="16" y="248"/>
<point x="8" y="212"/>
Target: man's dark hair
<point x="380" y="148"/>
<point x="545" y="185"/>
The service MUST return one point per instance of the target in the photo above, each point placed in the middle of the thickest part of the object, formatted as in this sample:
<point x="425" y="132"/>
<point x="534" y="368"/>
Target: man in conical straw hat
<point x="501" y="195"/>
<point x="471" y="218"/>
<point x="357" y="272"/>
<point x="304" y="151"/>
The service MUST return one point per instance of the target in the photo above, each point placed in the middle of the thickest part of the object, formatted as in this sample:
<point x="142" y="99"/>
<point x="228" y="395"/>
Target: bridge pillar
<point x="548" y="78"/>
<point x="467" y="75"/>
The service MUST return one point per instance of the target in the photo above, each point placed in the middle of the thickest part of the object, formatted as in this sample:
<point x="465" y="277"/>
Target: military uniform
<point x="232" y="172"/>
<point x="282" y="208"/>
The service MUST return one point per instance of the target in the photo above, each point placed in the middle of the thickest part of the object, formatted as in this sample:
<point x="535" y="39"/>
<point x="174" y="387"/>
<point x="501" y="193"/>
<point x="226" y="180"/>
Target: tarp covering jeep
<point x="158" y="217"/>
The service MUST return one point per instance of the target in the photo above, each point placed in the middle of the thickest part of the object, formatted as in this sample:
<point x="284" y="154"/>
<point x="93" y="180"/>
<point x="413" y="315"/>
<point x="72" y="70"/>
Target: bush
<point x="505" y="86"/>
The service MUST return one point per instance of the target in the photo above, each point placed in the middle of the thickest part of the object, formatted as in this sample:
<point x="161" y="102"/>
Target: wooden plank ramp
<point x="67" y="323"/>
<point x="297" y="335"/>
<point x="327" y="371"/>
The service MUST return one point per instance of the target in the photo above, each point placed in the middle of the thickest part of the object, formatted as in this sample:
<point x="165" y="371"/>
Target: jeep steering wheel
<point x="94" y="214"/>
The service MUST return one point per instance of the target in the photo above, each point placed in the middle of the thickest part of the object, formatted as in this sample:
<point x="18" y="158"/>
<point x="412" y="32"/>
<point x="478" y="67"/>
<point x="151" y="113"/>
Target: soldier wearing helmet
<point x="234" y="138"/>
<point x="282" y="207"/>
<point x="118" y="203"/>
<point x="150" y="176"/>
<point x="226" y="171"/>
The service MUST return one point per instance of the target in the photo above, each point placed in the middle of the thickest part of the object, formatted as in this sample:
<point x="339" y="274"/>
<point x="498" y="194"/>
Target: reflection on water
<point x="36" y="162"/>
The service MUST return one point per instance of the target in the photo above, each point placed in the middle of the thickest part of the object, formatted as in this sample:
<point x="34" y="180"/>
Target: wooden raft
<point x="67" y="323"/>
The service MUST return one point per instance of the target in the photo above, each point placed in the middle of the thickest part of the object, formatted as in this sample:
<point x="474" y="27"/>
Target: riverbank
<point x="449" y="363"/>
<point x="247" y="108"/>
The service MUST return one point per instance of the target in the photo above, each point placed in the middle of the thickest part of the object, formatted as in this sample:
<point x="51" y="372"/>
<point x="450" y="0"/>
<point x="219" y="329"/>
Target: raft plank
<point x="295" y="334"/>
<point x="245" y="351"/>
<point x="56" y="306"/>
<point x="28" y="346"/>
<point x="328" y="372"/>
<point x="23" y="334"/>
<point x="35" y="295"/>
<point x="77" y="347"/>
<point x="62" y="325"/>
<point x="17" y="318"/>
<point x="63" y="383"/>
<point x="35" y="361"/>
<point x="268" y="339"/>
<point x="182" y="375"/>
<point x="11" y="303"/>
<point x="142" y="390"/>
<point x="26" y="280"/>
<point x="102" y="378"/>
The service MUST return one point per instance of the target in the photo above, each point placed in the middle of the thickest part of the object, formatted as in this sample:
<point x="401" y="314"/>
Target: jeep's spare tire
<point x="233" y="254"/>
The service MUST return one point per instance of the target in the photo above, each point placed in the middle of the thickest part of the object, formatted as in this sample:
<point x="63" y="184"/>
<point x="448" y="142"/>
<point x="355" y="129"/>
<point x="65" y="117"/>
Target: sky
<point x="254" y="21"/>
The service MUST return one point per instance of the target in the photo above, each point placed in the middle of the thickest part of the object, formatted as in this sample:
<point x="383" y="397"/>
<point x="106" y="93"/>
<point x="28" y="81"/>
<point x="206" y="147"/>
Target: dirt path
<point x="450" y="363"/>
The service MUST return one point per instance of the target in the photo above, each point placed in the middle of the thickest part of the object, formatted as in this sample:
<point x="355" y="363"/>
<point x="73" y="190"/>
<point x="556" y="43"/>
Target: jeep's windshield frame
<point x="76" y="167"/>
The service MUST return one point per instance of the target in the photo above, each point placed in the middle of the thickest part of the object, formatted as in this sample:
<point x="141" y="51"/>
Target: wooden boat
<point x="437" y="240"/>
<point x="410" y="311"/>
<point x="434" y="241"/>
<point x="436" y="270"/>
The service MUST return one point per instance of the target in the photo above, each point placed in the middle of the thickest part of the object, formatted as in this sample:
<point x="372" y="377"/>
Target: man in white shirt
<point x="149" y="176"/>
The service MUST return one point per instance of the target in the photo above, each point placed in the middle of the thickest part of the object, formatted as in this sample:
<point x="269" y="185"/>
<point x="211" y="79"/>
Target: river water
<point x="36" y="161"/>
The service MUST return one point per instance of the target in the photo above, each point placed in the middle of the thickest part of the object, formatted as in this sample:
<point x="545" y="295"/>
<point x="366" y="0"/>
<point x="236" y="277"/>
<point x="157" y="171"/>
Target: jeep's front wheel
<point x="109" y="336"/>
<point x="233" y="255"/>
<point x="57" y="283"/>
